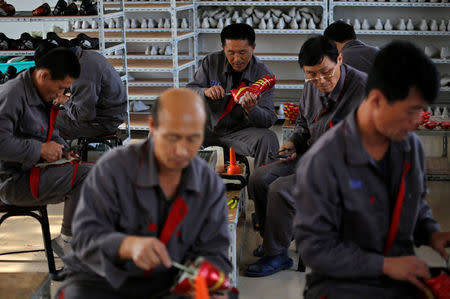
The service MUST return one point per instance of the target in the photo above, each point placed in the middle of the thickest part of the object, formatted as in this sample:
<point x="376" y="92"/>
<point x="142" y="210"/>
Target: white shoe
<point x="401" y="25"/>
<point x="445" y="53"/>
<point x="379" y="25"/>
<point x="61" y="246"/>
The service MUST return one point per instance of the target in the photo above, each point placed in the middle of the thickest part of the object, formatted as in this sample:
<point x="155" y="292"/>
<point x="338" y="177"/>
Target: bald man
<point x="133" y="194"/>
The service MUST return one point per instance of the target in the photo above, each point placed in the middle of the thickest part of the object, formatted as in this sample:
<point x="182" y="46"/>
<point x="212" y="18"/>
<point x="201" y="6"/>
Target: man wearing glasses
<point x="332" y="89"/>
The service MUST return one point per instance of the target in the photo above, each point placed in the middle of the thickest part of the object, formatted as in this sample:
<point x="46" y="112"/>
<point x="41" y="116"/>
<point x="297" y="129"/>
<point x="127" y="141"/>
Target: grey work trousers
<point x="73" y="129"/>
<point x="271" y="189"/>
<point x="260" y="143"/>
<point x="55" y="186"/>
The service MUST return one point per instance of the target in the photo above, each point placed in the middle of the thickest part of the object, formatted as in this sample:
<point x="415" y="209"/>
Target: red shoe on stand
<point x="6" y="9"/>
<point x="43" y="10"/>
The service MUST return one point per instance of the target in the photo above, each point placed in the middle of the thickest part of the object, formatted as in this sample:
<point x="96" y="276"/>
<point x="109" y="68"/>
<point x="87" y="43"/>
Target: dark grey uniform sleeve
<point x="81" y="105"/>
<point x="318" y="223"/>
<point x="213" y="240"/>
<point x="301" y="133"/>
<point x="16" y="148"/>
<point x="200" y="81"/>
<point x="96" y="241"/>
<point x="426" y="224"/>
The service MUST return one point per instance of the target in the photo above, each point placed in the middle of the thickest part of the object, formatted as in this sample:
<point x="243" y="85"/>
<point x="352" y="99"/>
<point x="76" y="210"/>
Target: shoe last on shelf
<point x="227" y="22"/>
<point x="356" y="24"/>
<point x="150" y="23"/>
<point x="431" y="51"/>
<point x="281" y="24"/>
<point x="249" y="21"/>
<point x="423" y="25"/>
<point x="167" y="23"/>
<point x="303" y="24"/>
<point x="144" y="24"/>
<point x="262" y="25"/>
<point x="85" y="25"/>
<point x="154" y="50"/>
<point x="94" y="24"/>
<point x="433" y="25"/>
<point x="134" y="23"/>
<point x="168" y="51"/>
<point x="311" y="24"/>
<point x="205" y="23"/>
<point x="270" y="24"/>
<point x="77" y="24"/>
<point x="378" y="24"/>
<point x="409" y="25"/>
<point x="442" y="26"/>
<point x="220" y="24"/>
<point x="365" y="25"/>
<point x="401" y="25"/>
<point x="212" y="22"/>
<point x="293" y="24"/>
<point x="147" y="50"/>
<point x="184" y="23"/>
<point x="160" y="23"/>
<point x="388" y="25"/>
<point x="111" y="24"/>
<point x="445" y="53"/>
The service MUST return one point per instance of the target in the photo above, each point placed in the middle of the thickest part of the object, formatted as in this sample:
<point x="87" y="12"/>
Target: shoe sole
<point x="285" y="266"/>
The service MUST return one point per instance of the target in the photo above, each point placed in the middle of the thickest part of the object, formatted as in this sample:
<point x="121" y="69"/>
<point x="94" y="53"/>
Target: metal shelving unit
<point x="105" y="47"/>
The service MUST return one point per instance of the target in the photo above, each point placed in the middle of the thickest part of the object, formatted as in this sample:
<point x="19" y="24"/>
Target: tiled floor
<point x="24" y="232"/>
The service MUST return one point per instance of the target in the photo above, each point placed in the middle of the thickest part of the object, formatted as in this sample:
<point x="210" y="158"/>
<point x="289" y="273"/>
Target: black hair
<point x="61" y="62"/>
<point x="340" y="32"/>
<point x="239" y="31"/>
<point x="315" y="49"/>
<point x="401" y="66"/>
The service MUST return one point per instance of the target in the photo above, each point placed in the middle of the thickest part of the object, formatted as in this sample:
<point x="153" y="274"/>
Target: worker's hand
<point x="407" y="268"/>
<point x="440" y="240"/>
<point x="287" y="151"/>
<point x="215" y="92"/>
<point x="249" y="101"/>
<point x="70" y="154"/>
<point x="61" y="100"/>
<point x="146" y="252"/>
<point x="51" y="151"/>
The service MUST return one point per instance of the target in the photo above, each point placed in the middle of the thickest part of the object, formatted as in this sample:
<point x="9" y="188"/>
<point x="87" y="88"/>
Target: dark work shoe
<point x="43" y="10"/>
<point x="4" y="42"/>
<point x="88" y="8"/>
<point x="60" y="7"/>
<point x="6" y="9"/>
<point x="86" y="42"/>
<point x="27" y="42"/>
<point x="11" y="73"/>
<point x="1" y="77"/>
<point x="71" y="10"/>
<point x="269" y="265"/>
<point x="259" y="251"/>
<point x="53" y="38"/>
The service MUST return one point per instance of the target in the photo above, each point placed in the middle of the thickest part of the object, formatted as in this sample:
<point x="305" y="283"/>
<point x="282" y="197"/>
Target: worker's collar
<point x="147" y="174"/>
<point x="245" y="73"/>
<point x="336" y="92"/>
<point x="31" y="91"/>
<point x="355" y="152"/>
<point x="352" y="43"/>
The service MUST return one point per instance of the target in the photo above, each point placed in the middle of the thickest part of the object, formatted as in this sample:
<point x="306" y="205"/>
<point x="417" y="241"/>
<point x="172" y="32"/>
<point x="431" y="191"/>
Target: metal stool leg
<point x="47" y="240"/>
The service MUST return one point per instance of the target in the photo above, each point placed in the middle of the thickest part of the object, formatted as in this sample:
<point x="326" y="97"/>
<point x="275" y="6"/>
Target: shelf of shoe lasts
<point x="143" y="56"/>
<point x="269" y="31"/>
<point x="153" y="6"/>
<point x="401" y="32"/>
<point x="108" y="49"/>
<point x="134" y="30"/>
<point x="261" y="3"/>
<point x="388" y="4"/>
<point x="133" y="36"/>
<point x="154" y="65"/>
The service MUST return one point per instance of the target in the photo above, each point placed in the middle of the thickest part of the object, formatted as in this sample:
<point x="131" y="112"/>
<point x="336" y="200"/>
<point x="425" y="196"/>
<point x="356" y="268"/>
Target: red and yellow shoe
<point x="6" y="9"/>
<point x="43" y="10"/>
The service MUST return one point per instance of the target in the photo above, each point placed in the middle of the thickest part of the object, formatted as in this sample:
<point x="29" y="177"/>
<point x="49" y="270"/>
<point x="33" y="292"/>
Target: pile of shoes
<point x="28" y="42"/>
<point x="261" y="18"/>
<point x="424" y="25"/>
<point x="6" y="9"/>
<point x="10" y="73"/>
<point x="157" y="50"/>
<point x="87" y="8"/>
<point x="25" y="42"/>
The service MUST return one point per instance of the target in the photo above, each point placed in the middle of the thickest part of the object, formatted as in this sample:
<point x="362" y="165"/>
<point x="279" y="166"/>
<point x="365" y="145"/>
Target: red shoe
<point x="6" y="9"/>
<point x="43" y="10"/>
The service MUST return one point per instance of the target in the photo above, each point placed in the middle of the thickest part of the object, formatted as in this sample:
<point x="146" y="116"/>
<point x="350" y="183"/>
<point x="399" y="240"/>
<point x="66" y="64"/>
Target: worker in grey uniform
<point x="146" y="205"/>
<point x="354" y="52"/>
<point x="97" y="103"/>
<point x="28" y="137"/>
<point x="332" y="90"/>
<point x="361" y="189"/>
<point x="246" y="126"/>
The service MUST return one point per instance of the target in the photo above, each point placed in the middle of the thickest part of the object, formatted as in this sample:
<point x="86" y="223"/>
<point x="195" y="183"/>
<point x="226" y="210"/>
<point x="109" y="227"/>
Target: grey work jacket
<point x="319" y="111"/>
<point x="215" y="67"/>
<point x="344" y="207"/>
<point x="122" y="197"/>
<point x="24" y="125"/>
<point x="98" y="94"/>
<point x="359" y="55"/>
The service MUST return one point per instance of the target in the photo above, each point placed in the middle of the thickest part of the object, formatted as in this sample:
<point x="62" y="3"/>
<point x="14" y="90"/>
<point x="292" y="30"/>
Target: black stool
<point x="40" y="214"/>
<point x="112" y="140"/>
